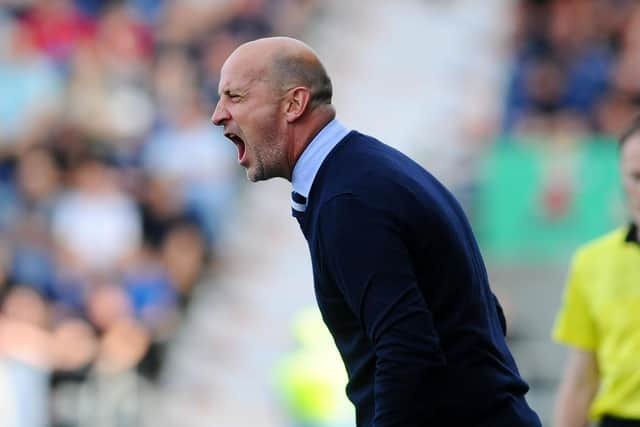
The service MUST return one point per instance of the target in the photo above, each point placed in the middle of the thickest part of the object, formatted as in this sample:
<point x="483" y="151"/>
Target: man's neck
<point x="308" y="131"/>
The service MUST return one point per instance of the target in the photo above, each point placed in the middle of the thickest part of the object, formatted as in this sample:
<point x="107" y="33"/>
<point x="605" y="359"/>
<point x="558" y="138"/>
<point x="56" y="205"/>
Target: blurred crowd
<point x="576" y="67"/>
<point x="114" y="187"/>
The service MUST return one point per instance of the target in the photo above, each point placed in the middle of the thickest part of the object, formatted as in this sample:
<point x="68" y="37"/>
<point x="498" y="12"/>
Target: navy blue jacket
<point x="403" y="289"/>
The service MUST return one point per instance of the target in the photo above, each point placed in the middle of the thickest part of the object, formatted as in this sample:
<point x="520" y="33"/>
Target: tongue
<point x="241" y="150"/>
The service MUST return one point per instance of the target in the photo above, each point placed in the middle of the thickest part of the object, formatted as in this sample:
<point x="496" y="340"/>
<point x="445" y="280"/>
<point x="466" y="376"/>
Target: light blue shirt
<point x="307" y="166"/>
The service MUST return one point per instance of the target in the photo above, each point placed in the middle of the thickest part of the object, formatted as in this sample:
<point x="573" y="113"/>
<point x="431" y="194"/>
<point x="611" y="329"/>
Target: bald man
<point x="398" y="275"/>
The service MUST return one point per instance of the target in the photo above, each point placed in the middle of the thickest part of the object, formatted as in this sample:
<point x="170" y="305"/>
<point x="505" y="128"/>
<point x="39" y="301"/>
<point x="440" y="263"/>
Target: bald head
<point x="275" y="96"/>
<point x="286" y="63"/>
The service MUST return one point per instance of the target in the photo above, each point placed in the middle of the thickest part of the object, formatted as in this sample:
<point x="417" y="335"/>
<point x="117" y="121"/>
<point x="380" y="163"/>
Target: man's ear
<point x="296" y="103"/>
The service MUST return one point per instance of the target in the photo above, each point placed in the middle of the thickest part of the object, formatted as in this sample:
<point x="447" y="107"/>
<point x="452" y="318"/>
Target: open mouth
<point x="239" y="143"/>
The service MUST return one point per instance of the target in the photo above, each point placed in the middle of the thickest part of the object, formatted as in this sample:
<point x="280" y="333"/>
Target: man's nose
<point x="220" y="115"/>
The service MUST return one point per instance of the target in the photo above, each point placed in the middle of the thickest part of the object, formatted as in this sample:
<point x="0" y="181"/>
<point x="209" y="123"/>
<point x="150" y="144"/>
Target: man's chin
<point x="258" y="175"/>
<point x="254" y="176"/>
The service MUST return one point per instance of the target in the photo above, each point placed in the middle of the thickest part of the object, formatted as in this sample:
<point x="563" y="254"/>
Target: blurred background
<point x="143" y="282"/>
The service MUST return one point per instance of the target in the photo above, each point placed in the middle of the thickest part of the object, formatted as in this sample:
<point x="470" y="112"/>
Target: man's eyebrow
<point x="232" y="91"/>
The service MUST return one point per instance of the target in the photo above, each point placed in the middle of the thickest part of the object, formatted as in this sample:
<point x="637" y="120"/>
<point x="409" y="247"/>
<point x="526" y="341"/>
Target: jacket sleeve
<point x="371" y="264"/>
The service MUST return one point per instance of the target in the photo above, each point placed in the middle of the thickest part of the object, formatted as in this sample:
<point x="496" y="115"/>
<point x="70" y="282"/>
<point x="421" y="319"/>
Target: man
<point x="600" y="317"/>
<point x="398" y="276"/>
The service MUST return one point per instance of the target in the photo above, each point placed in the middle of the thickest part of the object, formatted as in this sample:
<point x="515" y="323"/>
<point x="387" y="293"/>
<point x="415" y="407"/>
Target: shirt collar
<point x="632" y="234"/>
<point x="307" y="166"/>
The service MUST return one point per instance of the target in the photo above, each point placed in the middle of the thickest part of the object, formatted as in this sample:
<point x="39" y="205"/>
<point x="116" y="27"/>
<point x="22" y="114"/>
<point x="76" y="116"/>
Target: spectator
<point x="95" y="210"/>
<point x="184" y="252"/>
<point x="57" y="27"/>
<point x="592" y="67"/>
<point x="30" y="88"/>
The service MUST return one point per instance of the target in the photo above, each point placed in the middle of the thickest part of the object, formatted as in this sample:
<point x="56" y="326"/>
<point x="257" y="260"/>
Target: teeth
<point x="233" y="137"/>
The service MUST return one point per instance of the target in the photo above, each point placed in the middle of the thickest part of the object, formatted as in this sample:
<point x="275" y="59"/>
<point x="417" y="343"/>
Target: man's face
<point x="630" y="168"/>
<point x="250" y="111"/>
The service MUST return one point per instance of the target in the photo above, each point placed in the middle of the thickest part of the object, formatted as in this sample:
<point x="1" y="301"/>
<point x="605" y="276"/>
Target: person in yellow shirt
<point x="600" y="317"/>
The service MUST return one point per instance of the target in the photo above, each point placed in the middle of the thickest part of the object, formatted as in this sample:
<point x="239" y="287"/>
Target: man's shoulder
<point x="364" y="158"/>
<point x="363" y="167"/>
<point x="367" y="167"/>
<point x="602" y="245"/>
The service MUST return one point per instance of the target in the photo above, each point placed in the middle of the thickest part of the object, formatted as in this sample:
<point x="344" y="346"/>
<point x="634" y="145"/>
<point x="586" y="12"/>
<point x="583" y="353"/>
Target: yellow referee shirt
<point x="601" y="313"/>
